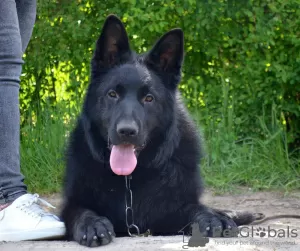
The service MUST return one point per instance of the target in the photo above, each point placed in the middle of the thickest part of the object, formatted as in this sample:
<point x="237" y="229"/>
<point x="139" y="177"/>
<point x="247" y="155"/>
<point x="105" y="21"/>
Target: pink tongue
<point x="122" y="159"/>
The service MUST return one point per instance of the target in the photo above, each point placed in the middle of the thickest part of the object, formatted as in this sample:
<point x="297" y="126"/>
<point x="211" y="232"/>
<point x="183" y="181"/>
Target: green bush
<point x="241" y="76"/>
<point x="242" y="57"/>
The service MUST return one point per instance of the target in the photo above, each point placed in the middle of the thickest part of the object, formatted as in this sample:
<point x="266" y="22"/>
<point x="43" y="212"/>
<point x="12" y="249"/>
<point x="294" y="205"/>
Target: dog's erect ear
<point x="112" y="47"/>
<point x="167" y="53"/>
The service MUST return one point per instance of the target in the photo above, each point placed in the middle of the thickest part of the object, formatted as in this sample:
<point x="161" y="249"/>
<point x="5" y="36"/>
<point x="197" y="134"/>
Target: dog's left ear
<point x="112" y="47"/>
<point x="167" y="54"/>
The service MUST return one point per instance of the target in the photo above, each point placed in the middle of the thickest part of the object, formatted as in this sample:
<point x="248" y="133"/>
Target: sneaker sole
<point x="31" y="235"/>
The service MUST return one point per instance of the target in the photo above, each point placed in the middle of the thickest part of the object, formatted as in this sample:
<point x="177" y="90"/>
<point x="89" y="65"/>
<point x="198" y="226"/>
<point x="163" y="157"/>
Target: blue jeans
<point x="17" y="19"/>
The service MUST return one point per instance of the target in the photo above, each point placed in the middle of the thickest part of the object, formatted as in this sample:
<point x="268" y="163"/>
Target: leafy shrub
<point x="242" y="62"/>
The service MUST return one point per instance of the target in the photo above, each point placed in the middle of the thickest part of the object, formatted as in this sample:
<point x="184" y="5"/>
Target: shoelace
<point x="32" y="208"/>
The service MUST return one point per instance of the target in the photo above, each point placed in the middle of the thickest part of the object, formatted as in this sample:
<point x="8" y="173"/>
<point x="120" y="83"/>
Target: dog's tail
<point x="241" y="217"/>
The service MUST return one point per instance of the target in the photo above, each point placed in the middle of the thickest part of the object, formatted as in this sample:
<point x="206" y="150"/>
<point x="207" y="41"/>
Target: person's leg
<point x="11" y="182"/>
<point x="21" y="218"/>
<point x="26" y="10"/>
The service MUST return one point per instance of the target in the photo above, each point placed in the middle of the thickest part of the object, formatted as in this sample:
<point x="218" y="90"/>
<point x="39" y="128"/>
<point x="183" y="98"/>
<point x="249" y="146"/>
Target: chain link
<point x="129" y="210"/>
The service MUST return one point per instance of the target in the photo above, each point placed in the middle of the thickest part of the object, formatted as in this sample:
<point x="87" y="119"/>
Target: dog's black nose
<point x="127" y="129"/>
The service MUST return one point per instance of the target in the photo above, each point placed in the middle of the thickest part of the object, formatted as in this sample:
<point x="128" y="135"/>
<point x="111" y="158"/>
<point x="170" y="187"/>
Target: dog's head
<point x="131" y="97"/>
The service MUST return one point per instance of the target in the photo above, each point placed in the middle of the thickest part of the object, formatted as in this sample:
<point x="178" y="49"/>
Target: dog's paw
<point x="212" y="224"/>
<point x="92" y="231"/>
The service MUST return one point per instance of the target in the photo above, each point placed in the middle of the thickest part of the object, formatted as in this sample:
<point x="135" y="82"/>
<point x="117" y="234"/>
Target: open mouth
<point x="123" y="157"/>
<point x="136" y="149"/>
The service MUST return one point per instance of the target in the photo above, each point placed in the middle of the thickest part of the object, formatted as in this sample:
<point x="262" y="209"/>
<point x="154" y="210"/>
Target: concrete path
<point x="269" y="203"/>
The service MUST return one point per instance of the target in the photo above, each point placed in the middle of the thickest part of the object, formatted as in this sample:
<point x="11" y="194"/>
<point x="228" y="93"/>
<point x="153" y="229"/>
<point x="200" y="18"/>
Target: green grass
<point x="251" y="162"/>
<point x="259" y="164"/>
<point x="42" y="147"/>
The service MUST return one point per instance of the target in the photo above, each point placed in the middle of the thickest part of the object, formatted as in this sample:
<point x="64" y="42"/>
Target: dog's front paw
<point x="92" y="230"/>
<point x="212" y="224"/>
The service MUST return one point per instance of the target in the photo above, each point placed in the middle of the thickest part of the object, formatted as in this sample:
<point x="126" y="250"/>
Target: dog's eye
<point x="148" y="98"/>
<point x="112" y="94"/>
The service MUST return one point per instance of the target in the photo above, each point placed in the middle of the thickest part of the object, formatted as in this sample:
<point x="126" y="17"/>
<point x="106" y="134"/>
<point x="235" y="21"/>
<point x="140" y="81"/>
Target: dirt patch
<point x="269" y="203"/>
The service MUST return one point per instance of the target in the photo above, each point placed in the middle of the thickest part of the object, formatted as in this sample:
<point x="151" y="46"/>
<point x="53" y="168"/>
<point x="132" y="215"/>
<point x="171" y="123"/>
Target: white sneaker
<point x="24" y="219"/>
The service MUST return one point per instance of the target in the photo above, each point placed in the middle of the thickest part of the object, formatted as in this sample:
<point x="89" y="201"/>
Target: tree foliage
<point x="242" y="63"/>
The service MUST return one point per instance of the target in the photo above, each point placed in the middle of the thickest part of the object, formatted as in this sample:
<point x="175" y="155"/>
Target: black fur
<point x="166" y="183"/>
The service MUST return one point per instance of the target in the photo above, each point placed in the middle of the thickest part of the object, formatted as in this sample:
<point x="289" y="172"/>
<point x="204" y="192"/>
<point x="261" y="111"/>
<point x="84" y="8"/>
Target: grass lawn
<point x="228" y="163"/>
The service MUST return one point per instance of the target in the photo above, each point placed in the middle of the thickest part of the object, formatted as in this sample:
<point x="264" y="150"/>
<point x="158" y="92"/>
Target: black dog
<point x="134" y="123"/>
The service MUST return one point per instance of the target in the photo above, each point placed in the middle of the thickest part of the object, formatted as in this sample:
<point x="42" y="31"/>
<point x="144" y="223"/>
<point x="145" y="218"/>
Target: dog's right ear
<point x="112" y="46"/>
<point x="167" y="53"/>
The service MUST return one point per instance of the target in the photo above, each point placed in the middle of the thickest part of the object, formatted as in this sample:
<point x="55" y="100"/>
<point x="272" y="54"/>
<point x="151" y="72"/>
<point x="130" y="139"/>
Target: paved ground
<point x="265" y="202"/>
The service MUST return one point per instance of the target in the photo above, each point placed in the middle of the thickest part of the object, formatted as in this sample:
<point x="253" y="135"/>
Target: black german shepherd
<point x="133" y="122"/>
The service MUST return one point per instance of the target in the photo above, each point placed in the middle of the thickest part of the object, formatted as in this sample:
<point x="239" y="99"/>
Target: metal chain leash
<point x="129" y="210"/>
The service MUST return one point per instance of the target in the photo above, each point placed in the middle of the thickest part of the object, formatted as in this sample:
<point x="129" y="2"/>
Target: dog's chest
<point x="117" y="199"/>
<point x="140" y="196"/>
